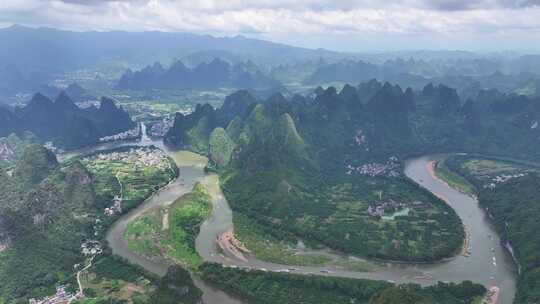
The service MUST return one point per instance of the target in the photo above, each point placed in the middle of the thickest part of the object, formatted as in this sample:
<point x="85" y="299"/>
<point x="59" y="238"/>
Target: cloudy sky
<point x="351" y="25"/>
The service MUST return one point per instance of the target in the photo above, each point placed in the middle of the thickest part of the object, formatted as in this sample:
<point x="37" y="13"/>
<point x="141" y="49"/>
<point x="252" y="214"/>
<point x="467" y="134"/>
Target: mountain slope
<point x="63" y="123"/>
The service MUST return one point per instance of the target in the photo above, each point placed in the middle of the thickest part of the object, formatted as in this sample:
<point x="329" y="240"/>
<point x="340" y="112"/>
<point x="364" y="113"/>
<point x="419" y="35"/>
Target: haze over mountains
<point x="36" y="60"/>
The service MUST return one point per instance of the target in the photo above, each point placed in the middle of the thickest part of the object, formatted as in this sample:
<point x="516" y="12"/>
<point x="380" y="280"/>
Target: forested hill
<point x="375" y="120"/>
<point x="311" y="167"/>
<point x="213" y="75"/>
<point x="63" y="123"/>
<point x="515" y="208"/>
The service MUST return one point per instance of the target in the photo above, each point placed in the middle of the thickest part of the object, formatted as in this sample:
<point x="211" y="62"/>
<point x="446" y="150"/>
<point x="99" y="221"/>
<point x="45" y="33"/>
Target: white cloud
<point x="275" y="19"/>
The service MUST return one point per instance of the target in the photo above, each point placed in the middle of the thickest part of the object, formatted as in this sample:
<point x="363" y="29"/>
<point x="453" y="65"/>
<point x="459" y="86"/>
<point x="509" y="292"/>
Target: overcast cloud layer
<point x="359" y="25"/>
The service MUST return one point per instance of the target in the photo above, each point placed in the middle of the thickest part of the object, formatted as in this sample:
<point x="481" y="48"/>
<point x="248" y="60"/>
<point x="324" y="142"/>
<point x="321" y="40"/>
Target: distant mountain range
<point x="63" y="123"/>
<point x="51" y="49"/>
<point x="468" y="76"/>
<point x="216" y="74"/>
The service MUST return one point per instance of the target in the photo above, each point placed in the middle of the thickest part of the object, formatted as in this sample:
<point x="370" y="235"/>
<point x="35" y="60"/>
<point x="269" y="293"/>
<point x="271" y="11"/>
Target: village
<point x="379" y="209"/>
<point x="129" y="134"/>
<point x="389" y="169"/>
<point x="160" y="128"/>
<point x="89" y="249"/>
<point x="499" y="179"/>
<point x="139" y="157"/>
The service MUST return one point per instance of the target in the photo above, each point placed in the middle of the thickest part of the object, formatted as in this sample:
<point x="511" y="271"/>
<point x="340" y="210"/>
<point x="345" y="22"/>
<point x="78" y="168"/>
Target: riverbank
<point x="431" y="167"/>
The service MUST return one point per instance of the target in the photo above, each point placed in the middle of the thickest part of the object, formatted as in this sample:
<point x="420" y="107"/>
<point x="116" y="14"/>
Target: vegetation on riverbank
<point x="339" y="217"/>
<point x="267" y="247"/>
<point x="509" y="192"/>
<point x="515" y="208"/>
<point x="452" y="179"/>
<point x="171" y="231"/>
<point x="112" y="280"/>
<point x="270" y="287"/>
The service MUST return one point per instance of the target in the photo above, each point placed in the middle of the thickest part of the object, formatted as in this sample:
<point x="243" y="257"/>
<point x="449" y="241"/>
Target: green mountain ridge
<point x="63" y="123"/>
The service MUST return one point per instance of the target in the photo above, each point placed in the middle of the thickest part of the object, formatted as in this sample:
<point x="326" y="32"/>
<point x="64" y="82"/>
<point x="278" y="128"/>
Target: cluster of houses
<point x="51" y="147"/>
<point x="499" y="179"/>
<point x="142" y="156"/>
<point x="389" y="169"/>
<point x="116" y="207"/>
<point x="159" y="129"/>
<point x="62" y="296"/>
<point x="136" y="157"/>
<point x="129" y="134"/>
<point x="379" y="209"/>
<point x="91" y="248"/>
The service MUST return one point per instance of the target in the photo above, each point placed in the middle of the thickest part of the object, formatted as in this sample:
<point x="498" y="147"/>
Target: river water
<point x="488" y="263"/>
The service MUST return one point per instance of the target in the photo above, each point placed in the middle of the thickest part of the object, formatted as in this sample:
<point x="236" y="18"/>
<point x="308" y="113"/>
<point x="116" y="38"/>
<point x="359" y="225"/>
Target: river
<point x="488" y="263"/>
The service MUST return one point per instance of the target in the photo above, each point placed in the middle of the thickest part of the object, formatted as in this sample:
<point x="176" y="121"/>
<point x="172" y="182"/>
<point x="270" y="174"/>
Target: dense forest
<point x="515" y="209"/>
<point x="270" y="287"/>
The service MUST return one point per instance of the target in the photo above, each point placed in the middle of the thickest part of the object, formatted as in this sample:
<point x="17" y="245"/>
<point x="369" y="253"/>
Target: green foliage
<point x="46" y="228"/>
<point x="176" y="288"/>
<point x="515" y="208"/>
<point x="337" y="216"/>
<point x="454" y="180"/>
<point x="35" y="164"/>
<point x="220" y="147"/>
<point x="171" y="231"/>
<point x="271" y="287"/>
<point x="138" y="180"/>
<point x="50" y="209"/>
<point x="267" y="247"/>
<point x="13" y="146"/>
<point x="186" y="217"/>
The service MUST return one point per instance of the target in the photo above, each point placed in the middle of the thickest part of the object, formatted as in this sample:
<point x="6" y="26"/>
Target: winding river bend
<point x="488" y="262"/>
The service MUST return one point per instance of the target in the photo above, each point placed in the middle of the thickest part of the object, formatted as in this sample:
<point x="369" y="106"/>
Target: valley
<point x="476" y="266"/>
<point x="297" y="213"/>
<point x="269" y="152"/>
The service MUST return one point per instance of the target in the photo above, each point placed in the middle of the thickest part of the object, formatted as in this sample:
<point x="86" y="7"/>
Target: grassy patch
<point x="268" y="248"/>
<point x="171" y="231"/>
<point x="452" y="179"/>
